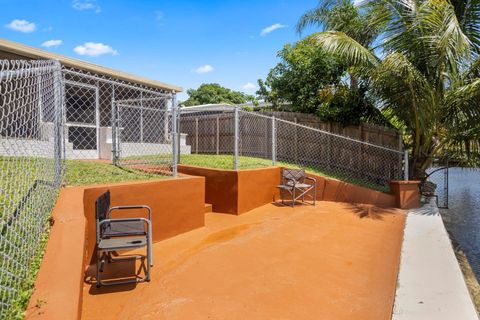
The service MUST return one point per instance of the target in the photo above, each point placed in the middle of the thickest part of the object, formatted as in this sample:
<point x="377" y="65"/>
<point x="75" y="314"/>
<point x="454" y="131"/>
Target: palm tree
<point x="425" y="72"/>
<point x="344" y="16"/>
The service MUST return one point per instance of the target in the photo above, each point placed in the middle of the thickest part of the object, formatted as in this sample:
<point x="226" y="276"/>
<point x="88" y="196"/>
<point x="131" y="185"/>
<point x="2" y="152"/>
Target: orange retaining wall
<point x="339" y="191"/>
<point x="221" y="187"/>
<point x="177" y="205"/>
<point x="257" y="187"/>
<point x="237" y="192"/>
<point x="58" y="287"/>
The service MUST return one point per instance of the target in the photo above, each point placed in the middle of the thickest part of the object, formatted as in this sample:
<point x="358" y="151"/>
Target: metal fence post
<point x="406" y="168"/>
<point x="274" y="141"/>
<point x="196" y="135"/>
<point x="235" y="140"/>
<point x="179" y="133"/>
<point x="174" y="134"/>
<point x="445" y="181"/>
<point x="58" y="129"/>
<point x="114" y="128"/>
<point x="141" y="117"/>
<point x="217" y="137"/>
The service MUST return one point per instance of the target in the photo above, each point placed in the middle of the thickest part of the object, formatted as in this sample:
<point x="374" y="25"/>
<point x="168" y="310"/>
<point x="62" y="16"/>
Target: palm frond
<point x="343" y="46"/>
<point x="461" y="114"/>
<point x="442" y="34"/>
<point x="468" y="14"/>
<point x="473" y="71"/>
<point x="404" y="90"/>
<point x="316" y="16"/>
<point x="400" y="16"/>
<point x="462" y="103"/>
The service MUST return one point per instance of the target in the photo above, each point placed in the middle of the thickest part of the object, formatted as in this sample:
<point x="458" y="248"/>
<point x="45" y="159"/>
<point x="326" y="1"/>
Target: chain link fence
<point x="337" y="156"/>
<point x="231" y="138"/>
<point x="30" y="170"/>
<point x="436" y="184"/>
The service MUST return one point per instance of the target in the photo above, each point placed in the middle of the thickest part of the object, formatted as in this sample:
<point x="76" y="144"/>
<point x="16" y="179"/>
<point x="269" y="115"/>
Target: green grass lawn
<point x="226" y="162"/>
<point x="86" y="173"/>
<point x="89" y="172"/>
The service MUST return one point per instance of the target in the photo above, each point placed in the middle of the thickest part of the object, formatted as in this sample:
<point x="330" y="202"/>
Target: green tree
<point x="424" y="72"/>
<point x="212" y="93"/>
<point x="302" y="73"/>
<point x="309" y="80"/>
<point x="344" y="16"/>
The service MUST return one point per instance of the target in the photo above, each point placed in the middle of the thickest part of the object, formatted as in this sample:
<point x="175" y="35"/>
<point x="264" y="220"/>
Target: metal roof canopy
<point x="22" y="50"/>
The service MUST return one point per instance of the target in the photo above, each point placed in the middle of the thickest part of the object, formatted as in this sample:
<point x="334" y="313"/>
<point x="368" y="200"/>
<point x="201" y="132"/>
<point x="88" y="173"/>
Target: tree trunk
<point x="419" y="166"/>
<point x="423" y="159"/>
<point x="353" y="82"/>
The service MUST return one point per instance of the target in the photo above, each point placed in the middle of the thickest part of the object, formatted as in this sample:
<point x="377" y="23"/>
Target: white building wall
<point x="45" y="146"/>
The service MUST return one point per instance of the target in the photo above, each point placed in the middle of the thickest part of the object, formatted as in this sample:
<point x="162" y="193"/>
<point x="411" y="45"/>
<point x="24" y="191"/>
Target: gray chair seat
<point x="122" y="243"/>
<point x="124" y="228"/>
<point x="297" y="185"/>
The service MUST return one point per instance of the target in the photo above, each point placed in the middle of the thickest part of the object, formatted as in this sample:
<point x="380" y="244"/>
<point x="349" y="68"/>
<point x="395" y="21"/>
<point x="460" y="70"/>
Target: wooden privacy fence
<point x="372" y="133"/>
<point x="209" y="132"/>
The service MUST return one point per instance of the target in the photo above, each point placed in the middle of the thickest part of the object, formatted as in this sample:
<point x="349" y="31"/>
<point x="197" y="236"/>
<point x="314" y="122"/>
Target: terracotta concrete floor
<point x="332" y="261"/>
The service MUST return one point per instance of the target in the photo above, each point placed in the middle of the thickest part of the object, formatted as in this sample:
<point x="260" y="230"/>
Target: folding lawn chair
<point x="121" y="234"/>
<point x="294" y="183"/>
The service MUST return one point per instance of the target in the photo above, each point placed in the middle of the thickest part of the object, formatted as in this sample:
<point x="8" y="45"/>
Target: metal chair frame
<point x="133" y="237"/>
<point x="293" y="181"/>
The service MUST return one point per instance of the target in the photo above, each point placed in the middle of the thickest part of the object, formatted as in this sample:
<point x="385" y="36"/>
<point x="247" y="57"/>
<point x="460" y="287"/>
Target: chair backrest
<point x="296" y="174"/>
<point x="102" y="205"/>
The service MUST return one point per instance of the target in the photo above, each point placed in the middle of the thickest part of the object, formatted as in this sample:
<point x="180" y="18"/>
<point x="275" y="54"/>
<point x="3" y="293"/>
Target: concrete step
<point x="208" y="208"/>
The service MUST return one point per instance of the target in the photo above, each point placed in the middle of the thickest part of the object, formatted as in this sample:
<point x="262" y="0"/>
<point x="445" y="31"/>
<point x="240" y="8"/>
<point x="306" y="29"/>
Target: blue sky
<point x="180" y="42"/>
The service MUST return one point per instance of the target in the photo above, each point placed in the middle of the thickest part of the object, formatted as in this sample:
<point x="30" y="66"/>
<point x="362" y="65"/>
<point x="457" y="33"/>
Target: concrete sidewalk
<point x="430" y="284"/>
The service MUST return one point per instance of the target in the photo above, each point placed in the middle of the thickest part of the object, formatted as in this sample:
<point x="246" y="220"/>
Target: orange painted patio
<point x="332" y="261"/>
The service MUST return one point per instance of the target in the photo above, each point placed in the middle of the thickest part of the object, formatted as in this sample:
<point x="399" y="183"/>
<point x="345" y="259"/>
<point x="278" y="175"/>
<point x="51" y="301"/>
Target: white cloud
<point x="94" y="49"/>
<point x="52" y="43"/>
<point x="159" y="17"/>
<point x="82" y="5"/>
<point x="204" y="69"/>
<point x="249" y="86"/>
<point x="271" y="28"/>
<point x="21" y="25"/>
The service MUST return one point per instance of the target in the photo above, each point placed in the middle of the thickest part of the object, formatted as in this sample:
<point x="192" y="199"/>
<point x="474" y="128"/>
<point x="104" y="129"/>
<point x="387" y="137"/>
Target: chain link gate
<point x="143" y="133"/>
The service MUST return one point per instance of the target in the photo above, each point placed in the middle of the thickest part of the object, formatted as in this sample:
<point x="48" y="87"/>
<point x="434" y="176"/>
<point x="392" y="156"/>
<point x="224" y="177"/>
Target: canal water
<point x="462" y="219"/>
